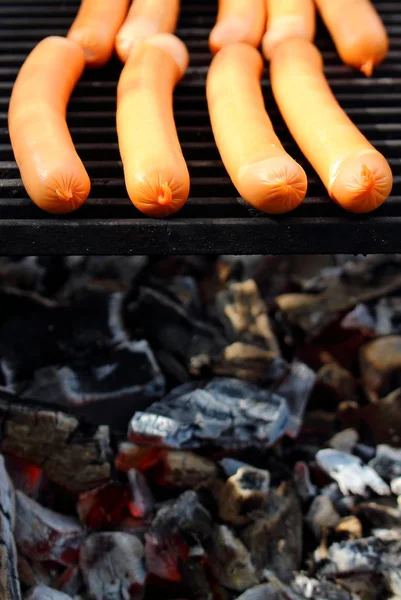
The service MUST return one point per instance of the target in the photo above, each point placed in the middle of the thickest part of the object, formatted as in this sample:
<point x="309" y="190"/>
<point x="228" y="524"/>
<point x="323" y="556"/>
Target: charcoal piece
<point x="253" y="353"/>
<point x="185" y="469"/>
<point x="32" y="573"/>
<point x="395" y="486"/>
<point x="383" y="318"/>
<point x="345" y="440"/>
<point x="195" y="581"/>
<point x="322" y="590"/>
<point x="226" y="413"/>
<point x="350" y="527"/>
<point x="387" y="462"/>
<point x="296" y="388"/>
<point x="364" y="586"/>
<point x="337" y="290"/>
<point x="9" y="579"/>
<point x="132" y="456"/>
<point x="302" y="481"/>
<point x="274" y="539"/>
<point x="70" y="581"/>
<point x="44" y="535"/>
<point x="142" y="501"/>
<point x="71" y="453"/>
<point x="177" y="530"/>
<point x="161" y="318"/>
<point x="343" y="504"/>
<point x="230" y="561"/>
<point x="118" y="380"/>
<point x="380" y="365"/>
<point x="335" y="383"/>
<point x="261" y="592"/>
<point x="122" y="269"/>
<point x="322" y="515"/>
<point x="43" y="592"/>
<point x="103" y="507"/>
<point x="350" y="473"/>
<point x="112" y="566"/>
<point x="249" y="363"/>
<point x="382" y="419"/>
<point x="379" y="514"/>
<point x="244" y="493"/>
<point x="25" y="273"/>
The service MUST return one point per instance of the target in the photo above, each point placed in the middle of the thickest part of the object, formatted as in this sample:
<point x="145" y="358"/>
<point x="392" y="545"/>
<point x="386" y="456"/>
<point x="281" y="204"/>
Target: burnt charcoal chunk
<point x="9" y="580"/>
<point x="230" y="561"/>
<point x="274" y="539"/>
<point x="322" y="590"/>
<point x="380" y="364"/>
<point x="42" y="534"/>
<point x="243" y="493"/>
<point x="169" y="325"/>
<point x="226" y="413"/>
<point x="112" y="566"/>
<point x="43" y="592"/>
<point x="119" y="380"/>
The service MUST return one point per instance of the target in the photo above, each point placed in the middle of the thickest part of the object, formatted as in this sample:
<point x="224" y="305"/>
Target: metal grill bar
<point x="212" y="221"/>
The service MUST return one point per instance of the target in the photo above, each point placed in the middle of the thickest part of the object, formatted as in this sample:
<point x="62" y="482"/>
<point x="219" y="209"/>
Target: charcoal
<point x="274" y="539"/>
<point x="142" y="501"/>
<point x="350" y="473"/>
<point x="112" y="566"/>
<point x="364" y="586"/>
<point x="103" y="507"/>
<point x="185" y="469"/>
<point x="322" y="515"/>
<point x="226" y="412"/>
<point x="25" y="273"/>
<point x="380" y="364"/>
<point x="9" y="579"/>
<point x="169" y="326"/>
<point x="71" y="453"/>
<point x="120" y="380"/>
<point x="296" y="389"/>
<point x="302" y="481"/>
<point x="32" y="573"/>
<point x="244" y="493"/>
<point x="261" y="592"/>
<point x="322" y="590"/>
<point x="253" y="353"/>
<point x="387" y="462"/>
<point x="195" y="581"/>
<point x="337" y="290"/>
<point x="383" y="318"/>
<point x="350" y="527"/>
<point x="42" y="592"/>
<point x="230" y="561"/>
<point x="382" y="419"/>
<point x="119" y="268"/>
<point x="395" y="486"/>
<point x="177" y="530"/>
<point x="42" y="534"/>
<point x="70" y="581"/>
<point x="344" y="441"/>
<point x="335" y="383"/>
<point x="379" y="514"/>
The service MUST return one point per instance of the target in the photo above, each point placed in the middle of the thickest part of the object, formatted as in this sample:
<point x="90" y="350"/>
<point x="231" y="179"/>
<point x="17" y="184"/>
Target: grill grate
<point x="212" y="221"/>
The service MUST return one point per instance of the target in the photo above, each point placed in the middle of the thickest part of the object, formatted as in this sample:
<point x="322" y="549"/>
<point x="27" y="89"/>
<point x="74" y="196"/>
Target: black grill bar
<point x="213" y="221"/>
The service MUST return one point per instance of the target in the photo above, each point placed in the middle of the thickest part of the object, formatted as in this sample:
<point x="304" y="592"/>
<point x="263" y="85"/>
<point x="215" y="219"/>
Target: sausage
<point x="95" y="28"/>
<point x="51" y="170"/>
<point x="357" y="31"/>
<point x="238" y="21"/>
<point x="259" y="167"/>
<point x="156" y="174"/>
<point x="146" y="18"/>
<point x="356" y="175"/>
<point x="287" y="19"/>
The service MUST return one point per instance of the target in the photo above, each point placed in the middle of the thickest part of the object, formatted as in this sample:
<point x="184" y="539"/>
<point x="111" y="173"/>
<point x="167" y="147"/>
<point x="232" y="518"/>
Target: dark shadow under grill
<point x="212" y="221"/>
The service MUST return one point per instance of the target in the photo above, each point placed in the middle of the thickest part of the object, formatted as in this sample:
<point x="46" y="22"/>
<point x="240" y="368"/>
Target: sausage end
<point x="362" y="183"/>
<point x="275" y="185"/>
<point x="158" y="194"/>
<point x="131" y="33"/>
<point x="229" y="31"/>
<point x="282" y="29"/>
<point x="174" y="47"/>
<point x="97" y="53"/>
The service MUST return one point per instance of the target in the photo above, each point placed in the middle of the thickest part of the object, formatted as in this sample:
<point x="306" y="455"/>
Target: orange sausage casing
<point x="238" y="21"/>
<point x="51" y="170"/>
<point x="95" y="28"/>
<point x="355" y="174"/>
<point x="357" y="31"/>
<point x="146" y="18"/>
<point x="287" y="19"/>
<point x="259" y="167"/>
<point x="156" y="173"/>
